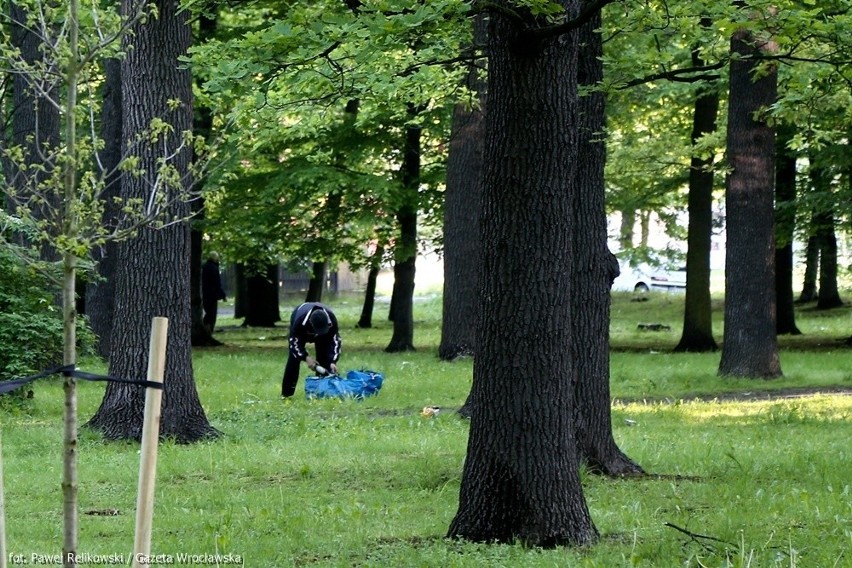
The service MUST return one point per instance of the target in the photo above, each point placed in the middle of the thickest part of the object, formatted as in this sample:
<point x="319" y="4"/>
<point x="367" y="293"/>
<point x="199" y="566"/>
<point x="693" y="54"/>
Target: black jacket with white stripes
<point x="301" y="332"/>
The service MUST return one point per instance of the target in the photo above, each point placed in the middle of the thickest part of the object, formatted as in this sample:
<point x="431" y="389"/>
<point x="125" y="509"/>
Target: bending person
<point x="312" y="322"/>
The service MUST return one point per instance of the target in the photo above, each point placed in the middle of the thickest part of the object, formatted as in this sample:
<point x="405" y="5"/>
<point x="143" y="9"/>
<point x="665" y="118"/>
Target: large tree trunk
<point x="595" y="268"/>
<point x="521" y="475"/>
<point x="36" y="128"/>
<point x="750" y="347"/>
<point x="153" y="273"/>
<point x="100" y="292"/>
<point x="785" y="224"/>
<point x="406" y="250"/>
<point x="697" y="332"/>
<point x="462" y="205"/>
<point x="261" y="301"/>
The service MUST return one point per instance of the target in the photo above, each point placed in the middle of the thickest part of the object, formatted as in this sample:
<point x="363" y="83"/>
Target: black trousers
<point x="210" y="311"/>
<point x="291" y="376"/>
<point x="325" y="351"/>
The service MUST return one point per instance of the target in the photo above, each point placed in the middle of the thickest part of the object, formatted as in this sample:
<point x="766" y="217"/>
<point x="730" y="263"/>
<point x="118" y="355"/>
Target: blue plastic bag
<point x="356" y="384"/>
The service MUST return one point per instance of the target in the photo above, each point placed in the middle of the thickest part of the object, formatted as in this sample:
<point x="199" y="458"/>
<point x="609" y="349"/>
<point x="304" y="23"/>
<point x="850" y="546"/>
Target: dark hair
<point x="320" y="322"/>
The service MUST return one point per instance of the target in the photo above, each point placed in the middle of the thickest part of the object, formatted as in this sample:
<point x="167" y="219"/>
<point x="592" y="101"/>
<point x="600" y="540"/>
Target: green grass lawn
<point x="373" y="483"/>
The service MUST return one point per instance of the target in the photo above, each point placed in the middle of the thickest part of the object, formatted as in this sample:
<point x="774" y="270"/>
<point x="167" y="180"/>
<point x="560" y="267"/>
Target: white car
<point x="643" y="278"/>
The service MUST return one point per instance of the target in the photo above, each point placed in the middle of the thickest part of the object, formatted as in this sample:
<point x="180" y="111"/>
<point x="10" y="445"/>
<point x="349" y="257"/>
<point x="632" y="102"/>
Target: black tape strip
<point x="71" y="371"/>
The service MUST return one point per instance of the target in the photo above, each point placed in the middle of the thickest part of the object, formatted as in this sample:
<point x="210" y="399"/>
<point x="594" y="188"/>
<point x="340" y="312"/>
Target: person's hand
<point x="333" y="369"/>
<point x="311" y="362"/>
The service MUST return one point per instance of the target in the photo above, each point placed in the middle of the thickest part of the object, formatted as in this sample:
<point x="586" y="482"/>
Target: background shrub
<point x="30" y="319"/>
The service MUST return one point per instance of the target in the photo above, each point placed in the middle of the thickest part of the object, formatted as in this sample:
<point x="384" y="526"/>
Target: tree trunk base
<point x="618" y="465"/>
<point x="697" y="345"/>
<point x="454" y="352"/>
<point x="206" y="341"/>
<point x="399" y="347"/>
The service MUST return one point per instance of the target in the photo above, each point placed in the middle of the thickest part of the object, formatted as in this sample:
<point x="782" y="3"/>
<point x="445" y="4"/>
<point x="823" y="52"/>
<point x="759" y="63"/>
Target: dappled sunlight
<point x="815" y="408"/>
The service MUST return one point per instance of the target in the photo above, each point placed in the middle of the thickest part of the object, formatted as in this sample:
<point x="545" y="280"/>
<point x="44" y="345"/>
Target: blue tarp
<point x="356" y="384"/>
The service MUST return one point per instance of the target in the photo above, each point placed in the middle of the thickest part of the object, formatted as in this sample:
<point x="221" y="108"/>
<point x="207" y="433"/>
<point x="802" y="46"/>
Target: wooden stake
<point x="150" y="438"/>
<point x="3" y="554"/>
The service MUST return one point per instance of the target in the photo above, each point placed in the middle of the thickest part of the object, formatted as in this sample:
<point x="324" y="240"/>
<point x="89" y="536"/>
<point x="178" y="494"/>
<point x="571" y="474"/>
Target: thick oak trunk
<point x="521" y="476"/>
<point x="750" y="347"/>
<point x="594" y="270"/>
<point x="261" y="298"/>
<point x="153" y="272"/>
<point x="100" y="293"/>
<point x="462" y="205"/>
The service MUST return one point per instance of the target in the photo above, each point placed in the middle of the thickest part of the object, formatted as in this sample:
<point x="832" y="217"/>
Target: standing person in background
<point x="211" y="290"/>
<point x="312" y="322"/>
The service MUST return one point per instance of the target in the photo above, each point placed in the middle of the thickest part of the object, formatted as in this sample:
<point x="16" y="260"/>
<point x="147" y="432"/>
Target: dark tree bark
<point x="153" y="272"/>
<point x="366" y="319"/>
<point x="405" y="253"/>
<point x="809" y="281"/>
<point x="594" y="270"/>
<point x="36" y="128"/>
<point x="828" y="296"/>
<point x="625" y="231"/>
<point x="100" y="293"/>
<point x="750" y="347"/>
<point x="462" y="205"/>
<point x="785" y="224"/>
<point x="261" y="301"/>
<point x="240" y="291"/>
<point x="203" y="126"/>
<point x="200" y="334"/>
<point x="521" y="475"/>
<point x="697" y="335"/>
<point x="316" y="285"/>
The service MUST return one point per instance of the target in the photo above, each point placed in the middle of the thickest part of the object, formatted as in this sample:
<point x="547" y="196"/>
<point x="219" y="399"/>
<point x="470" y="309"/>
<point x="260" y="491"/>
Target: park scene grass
<point x="740" y="472"/>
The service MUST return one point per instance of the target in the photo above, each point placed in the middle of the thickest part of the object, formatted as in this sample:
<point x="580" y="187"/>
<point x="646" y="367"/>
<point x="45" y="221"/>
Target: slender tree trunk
<point x="625" y="231"/>
<point x="366" y="319"/>
<point x="828" y="295"/>
<point x="697" y="332"/>
<point x="521" y="475"/>
<point x="750" y="347"/>
<point x="406" y="251"/>
<point x="153" y="278"/>
<point x="462" y="205"/>
<point x="594" y="270"/>
<point x="644" y="228"/>
<point x="316" y="285"/>
<point x="809" y="282"/>
<point x="785" y="224"/>
<point x="203" y="126"/>
<point x="70" y="227"/>
<point x="240" y="291"/>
